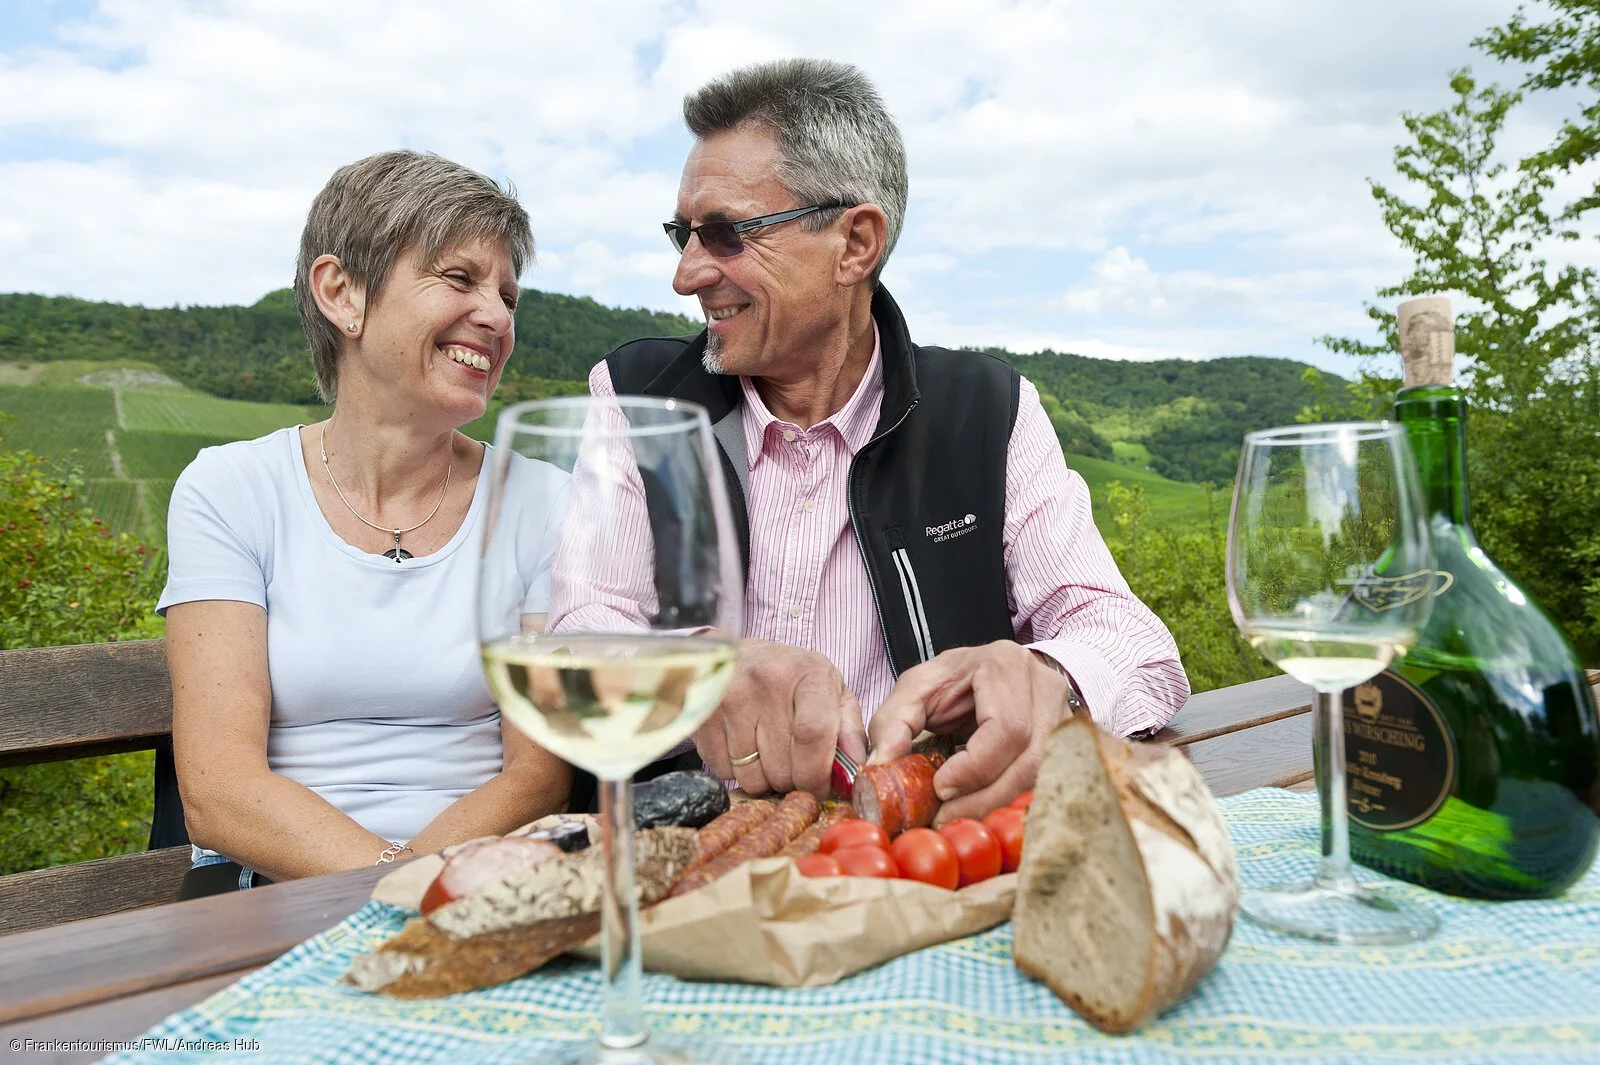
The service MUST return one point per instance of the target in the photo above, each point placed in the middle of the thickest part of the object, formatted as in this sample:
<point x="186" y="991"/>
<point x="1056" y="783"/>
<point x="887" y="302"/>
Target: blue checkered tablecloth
<point x="1502" y="983"/>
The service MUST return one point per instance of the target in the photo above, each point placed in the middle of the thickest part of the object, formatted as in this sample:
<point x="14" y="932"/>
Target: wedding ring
<point x="746" y="760"/>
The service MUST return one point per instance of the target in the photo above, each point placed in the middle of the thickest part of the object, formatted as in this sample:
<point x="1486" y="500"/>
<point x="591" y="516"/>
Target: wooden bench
<point x="78" y="702"/>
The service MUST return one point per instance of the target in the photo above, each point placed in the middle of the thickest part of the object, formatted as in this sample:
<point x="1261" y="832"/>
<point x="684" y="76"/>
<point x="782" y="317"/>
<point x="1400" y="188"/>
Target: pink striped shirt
<point x="808" y="587"/>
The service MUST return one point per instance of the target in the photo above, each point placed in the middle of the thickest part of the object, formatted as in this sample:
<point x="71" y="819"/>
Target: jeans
<point x="198" y="883"/>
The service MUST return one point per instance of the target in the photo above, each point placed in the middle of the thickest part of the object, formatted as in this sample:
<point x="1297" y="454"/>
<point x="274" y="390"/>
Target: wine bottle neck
<point x="1435" y="419"/>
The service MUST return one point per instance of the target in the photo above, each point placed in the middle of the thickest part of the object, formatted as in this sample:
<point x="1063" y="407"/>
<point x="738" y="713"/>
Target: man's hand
<point x="1001" y="696"/>
<point x="793" y="708"/>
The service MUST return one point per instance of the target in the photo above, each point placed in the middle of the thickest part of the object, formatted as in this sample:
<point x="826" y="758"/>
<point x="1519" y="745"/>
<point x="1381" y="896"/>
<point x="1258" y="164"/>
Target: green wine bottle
<point x="1473" y="763"/>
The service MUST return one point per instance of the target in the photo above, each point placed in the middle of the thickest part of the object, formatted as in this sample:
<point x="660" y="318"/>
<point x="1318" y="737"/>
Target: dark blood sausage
<point x="792" y="817"/>
<point x="728" y="829"/>
<point x="898" y="795"/>
<point x="809" y="840"/>
<point x="687" y="799"/>
<point x="483" y="863"/>
<point x="568" y="833"/>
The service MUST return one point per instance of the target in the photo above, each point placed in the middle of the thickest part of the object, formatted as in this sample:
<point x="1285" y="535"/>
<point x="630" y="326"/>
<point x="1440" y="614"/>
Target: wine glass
<point x="645" y="592"/>
<point x="1329" y="569"/>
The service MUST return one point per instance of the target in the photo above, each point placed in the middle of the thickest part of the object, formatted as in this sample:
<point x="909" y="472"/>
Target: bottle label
<point x="1400" y="758"/>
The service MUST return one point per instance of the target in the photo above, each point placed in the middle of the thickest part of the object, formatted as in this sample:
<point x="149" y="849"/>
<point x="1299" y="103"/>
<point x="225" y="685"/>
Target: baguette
<point x="1127" y="889"/>
<point x="518" y="924"/>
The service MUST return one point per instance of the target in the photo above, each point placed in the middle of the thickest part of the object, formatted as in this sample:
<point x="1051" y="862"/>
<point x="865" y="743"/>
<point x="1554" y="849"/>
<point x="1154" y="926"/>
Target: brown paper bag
<point x="764" y="923"/>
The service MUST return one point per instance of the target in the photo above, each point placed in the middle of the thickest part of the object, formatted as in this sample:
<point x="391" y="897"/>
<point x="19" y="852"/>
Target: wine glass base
<point x="657" y="1050"/>
<point x="1345" y="913"/>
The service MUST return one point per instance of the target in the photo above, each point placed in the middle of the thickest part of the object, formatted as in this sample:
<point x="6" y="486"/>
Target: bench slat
<point x="96" y="888"/>
<point x="81" y="701"/>
<point x="1223" y="710"/>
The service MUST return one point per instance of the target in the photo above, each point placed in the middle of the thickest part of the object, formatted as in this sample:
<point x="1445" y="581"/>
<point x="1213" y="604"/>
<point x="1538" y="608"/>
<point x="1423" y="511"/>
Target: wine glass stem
<point x="1328" y="720"/>
<point x="622" y="1023"/>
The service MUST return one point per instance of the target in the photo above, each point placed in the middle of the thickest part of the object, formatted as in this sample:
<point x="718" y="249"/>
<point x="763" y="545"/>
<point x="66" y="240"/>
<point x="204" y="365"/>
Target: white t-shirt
<point x="378" y="699"/>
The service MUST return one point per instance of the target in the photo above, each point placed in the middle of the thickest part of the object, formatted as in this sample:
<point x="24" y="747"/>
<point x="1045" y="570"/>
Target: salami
<point x="898" y="795"/>
<point x="728" y="829"/>
<point x="791" y="818"/>
<point x="809" y="840"/>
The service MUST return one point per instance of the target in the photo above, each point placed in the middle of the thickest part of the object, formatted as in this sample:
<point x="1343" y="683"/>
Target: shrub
<point x="1180" y="575"/>
<point x="64" y="579"/>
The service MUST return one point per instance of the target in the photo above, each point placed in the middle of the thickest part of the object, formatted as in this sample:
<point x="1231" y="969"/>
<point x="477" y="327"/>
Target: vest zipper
<point x="873" y="576"/>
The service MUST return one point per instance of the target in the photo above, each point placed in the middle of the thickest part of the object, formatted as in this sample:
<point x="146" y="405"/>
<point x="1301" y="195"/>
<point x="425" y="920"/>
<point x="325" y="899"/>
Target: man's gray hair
<point x="836" y="140"/>
<point x="373" y="209"/>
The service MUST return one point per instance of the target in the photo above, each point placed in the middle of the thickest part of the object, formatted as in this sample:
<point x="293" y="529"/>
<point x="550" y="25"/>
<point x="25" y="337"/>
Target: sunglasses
<point x="722" y="239"/>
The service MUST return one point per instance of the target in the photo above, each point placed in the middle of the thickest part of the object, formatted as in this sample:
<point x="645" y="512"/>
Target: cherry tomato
<point x="819" y="865"/>
<point x="866" y="861"/>
<point x="976" y="849"/>
<point x="853" y="833"/>
<point x="922" y="854"/>
<point x="1021" y="801"/>
<point x="1006" y="824"/>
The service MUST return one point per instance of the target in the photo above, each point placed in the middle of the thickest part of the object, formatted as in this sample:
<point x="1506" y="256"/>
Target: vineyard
<point x="156" y="427"/>
<point x="67" y="424"/>
<point x="128" y="430"/>
<point x="191" y="413"/>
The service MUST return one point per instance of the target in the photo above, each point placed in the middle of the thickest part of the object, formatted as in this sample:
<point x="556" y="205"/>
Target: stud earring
<point x="351" y="327"/>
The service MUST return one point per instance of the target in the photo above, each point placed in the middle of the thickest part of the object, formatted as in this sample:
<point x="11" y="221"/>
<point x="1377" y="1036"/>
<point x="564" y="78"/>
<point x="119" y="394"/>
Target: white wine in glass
<point x="636" y="645"/>
<point x="1329" y="571"/>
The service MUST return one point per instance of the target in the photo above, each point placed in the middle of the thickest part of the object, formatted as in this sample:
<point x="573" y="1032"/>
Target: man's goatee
<point x="712" y="359"/>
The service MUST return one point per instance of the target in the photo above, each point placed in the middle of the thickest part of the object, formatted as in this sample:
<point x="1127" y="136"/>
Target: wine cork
<point x="1427" y="341"/>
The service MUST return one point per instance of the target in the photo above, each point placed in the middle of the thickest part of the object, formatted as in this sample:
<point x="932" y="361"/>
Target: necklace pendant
<point x="398" y="553"/>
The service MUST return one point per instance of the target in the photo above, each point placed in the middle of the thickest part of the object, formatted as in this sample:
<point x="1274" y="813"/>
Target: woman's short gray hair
<point x="836" y="140"/>
<point x="374" y="209"/>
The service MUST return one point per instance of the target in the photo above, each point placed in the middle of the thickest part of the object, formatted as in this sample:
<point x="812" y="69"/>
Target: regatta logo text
<point x="952" y="529"/>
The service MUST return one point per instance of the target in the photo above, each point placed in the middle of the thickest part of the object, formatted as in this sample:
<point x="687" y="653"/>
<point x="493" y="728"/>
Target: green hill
<point x="1183" y="418"/>
<point x="1180" y="419"/>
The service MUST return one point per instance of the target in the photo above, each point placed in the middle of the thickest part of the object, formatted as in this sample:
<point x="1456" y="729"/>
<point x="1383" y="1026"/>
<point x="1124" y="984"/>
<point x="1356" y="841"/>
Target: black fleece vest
<point x="927" y="493"/>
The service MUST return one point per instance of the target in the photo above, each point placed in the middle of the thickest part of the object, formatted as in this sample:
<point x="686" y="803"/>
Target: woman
<point x="329" y="708"/>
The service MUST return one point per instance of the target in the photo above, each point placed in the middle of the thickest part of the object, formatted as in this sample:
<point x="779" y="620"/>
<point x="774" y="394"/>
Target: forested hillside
<point x="1189" y="416"/>
<point x="258" y="352"/>
<point x="1183" y="420"/>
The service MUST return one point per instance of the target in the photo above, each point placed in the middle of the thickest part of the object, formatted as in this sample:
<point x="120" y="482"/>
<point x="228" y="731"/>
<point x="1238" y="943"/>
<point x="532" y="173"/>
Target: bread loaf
<point x="1127" y="889"/>
<point x="517" y="925"/>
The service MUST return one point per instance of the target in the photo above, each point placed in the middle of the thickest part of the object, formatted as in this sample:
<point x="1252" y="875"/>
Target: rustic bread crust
<point x="518" y="925"/>
<point x="1186" y="880"/>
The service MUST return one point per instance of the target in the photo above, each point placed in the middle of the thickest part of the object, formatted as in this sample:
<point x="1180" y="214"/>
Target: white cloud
<point x="1134" y="177"/>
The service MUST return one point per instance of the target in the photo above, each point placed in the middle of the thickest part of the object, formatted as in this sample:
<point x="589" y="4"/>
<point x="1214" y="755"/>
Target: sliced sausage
<point x="483" y="864"/>
<point x="898" y="795"/>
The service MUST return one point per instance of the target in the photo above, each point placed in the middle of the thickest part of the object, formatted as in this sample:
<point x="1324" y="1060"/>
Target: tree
<point x="1565" y="53"/>
<point x="1525" y="340"/>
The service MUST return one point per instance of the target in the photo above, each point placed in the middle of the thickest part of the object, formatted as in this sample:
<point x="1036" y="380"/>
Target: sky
<point x="1131" y="179"/>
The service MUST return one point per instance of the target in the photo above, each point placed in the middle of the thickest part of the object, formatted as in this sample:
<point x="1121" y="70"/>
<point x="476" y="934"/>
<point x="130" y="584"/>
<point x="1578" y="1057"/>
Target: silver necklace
<point x="398" y="553"/>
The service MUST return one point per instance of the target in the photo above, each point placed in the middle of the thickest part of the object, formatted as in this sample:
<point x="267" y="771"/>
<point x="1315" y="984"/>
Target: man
<point x="915" y="544"/>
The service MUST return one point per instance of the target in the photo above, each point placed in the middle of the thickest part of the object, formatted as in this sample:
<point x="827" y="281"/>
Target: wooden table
<point x="114" y="977"/>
